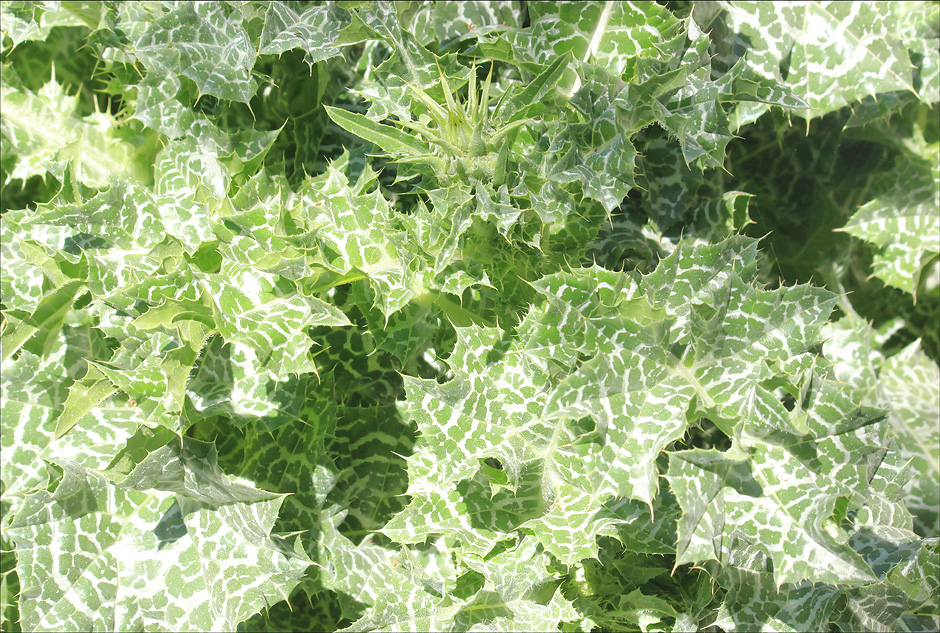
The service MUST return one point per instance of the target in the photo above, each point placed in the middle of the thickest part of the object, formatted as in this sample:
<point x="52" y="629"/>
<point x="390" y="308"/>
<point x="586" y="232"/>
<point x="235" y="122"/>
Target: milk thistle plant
<point x="466" y="144"/>
<point x="469" y="316"/>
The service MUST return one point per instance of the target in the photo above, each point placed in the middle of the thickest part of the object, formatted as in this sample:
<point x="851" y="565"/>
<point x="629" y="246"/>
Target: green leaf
<point x="25" y="21"/>
<point x="314" y="30"/>
<point x="608" y="34"/>
<point x="918" y="28"/>
<point x="513" y="596"/>
<point x="598" y="145"/>
<point x="770" y="496"/>
<point x="35" y="390"/>
<point x="359" y="239"/>
<point x="41" y="131"/>
<point x="771" y="500"/>
<point x="84" y="395"/>
<point x="126" y="541"/>
<point x="529" y="101"/>
<point x="526" y="369"/>
<point x="387" y="137"/>
<point x="908" y="383"/>
<point x="903" y="223"/>
<point x="251" y="309"/>
<point x="523" y="403"/>
<point x="829" y="53"/>
<point x="753" y="600"/>
<point x="46" y="321"/>
<point x="458" y="21"/>
<point x="205" y="44"/>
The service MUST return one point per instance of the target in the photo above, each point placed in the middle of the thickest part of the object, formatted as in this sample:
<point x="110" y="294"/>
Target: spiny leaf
<point x="903" y="222"/>
<point x="795" y="43"/>
<point x="142" y="536"/>
<point x="388" y="138"/>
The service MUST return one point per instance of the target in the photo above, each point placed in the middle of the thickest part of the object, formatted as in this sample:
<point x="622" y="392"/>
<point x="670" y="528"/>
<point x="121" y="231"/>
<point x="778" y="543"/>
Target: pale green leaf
<point x="218" y="550"/>
<point x="357" y="236"/>
<point x="390" y="139"/>
<point x="903" y="223"/>
<point x="754" y="602"/>
<point x="608" y="34"/>
<point x="41" y="132"/>
<point x="708" y="347"/>
<point x="41" y="328"/>
<point x="204" y="43"/>
<point x="453" y="21"/>
<point x="909" y="383"/>
<point x="513" y="597"/>
<point x="251" y="309"/>
<point x="829" y="53"/>
<point x="314" y="30"/>
<point x="21" y="281"/>
<point x="771" y="500"/>
<point x="24" y="21"/>
<point x="84" y="395"/>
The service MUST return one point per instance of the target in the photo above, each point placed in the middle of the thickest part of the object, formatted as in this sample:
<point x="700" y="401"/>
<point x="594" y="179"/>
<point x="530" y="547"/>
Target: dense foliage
<point x="470" y="316"/>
